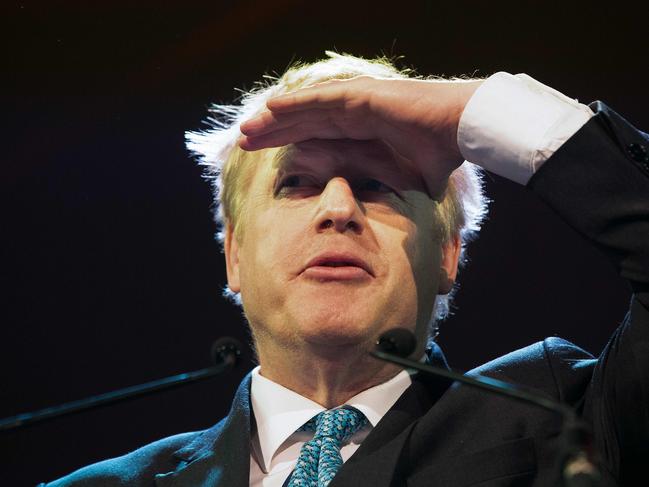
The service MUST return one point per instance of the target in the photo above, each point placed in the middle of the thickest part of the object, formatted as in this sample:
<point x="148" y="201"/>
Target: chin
<point x="335" y="325"/>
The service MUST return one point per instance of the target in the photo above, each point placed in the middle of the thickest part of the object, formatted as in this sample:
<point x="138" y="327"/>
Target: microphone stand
<point x="225" y="355"/>
<point x="576" y="467"/>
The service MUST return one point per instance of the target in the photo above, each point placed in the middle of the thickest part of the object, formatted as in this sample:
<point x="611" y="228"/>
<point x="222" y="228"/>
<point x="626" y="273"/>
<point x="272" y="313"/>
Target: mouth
<point x="337" y="267"/>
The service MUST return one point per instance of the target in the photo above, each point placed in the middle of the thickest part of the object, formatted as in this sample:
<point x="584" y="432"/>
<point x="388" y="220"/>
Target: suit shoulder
<point x="571" y="366"/>
<point x="132" y="469"/>
<point x="554" y="365"/>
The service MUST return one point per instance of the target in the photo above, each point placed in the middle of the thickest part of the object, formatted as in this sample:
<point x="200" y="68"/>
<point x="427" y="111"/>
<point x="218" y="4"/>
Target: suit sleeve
<point x="598" y="182"/>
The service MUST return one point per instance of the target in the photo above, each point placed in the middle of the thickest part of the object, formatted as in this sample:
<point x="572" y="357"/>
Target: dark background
<point x="110" y="274"/>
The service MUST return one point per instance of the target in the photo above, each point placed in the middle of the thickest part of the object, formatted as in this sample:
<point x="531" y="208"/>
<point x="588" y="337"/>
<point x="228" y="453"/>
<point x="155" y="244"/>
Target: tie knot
<point x="339" y="424"/>
<point x="320" y="457"/>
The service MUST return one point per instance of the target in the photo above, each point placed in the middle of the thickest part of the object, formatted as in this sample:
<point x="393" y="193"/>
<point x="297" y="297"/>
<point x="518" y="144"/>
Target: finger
<point x="291" y="135"/>
<point x="268" y="121"/>
<point x="330" y="94"/>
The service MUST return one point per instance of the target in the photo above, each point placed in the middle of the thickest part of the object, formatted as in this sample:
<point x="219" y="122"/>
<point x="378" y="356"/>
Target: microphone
<point x="576" y="467"/>
<point x="226" y="350"/>
<point x="225" y="355"/>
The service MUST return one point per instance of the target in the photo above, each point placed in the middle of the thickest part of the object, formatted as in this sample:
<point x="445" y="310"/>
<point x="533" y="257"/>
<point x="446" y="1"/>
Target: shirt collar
<point x="279" y="411"/>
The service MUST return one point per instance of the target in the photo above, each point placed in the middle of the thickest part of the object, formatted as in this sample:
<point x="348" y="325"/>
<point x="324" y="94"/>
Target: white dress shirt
<point x="510" y="126"/>
<point x="279" y="412"/>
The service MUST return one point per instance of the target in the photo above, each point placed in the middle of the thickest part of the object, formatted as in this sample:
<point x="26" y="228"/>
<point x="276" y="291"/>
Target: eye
<point x="292" y="181"/>
<point x="293" y="184"/>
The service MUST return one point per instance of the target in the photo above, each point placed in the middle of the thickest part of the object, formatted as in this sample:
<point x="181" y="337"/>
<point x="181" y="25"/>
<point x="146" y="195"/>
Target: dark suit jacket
<point x="451" y="435"/>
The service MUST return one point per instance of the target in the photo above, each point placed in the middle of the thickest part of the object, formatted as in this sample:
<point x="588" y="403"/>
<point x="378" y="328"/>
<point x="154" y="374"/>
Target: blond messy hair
<point x="231" y="169"/>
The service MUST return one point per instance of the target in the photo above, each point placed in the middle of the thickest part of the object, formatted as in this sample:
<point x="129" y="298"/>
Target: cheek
<point x="423" y="253"/>
<point x="271" y="253"/>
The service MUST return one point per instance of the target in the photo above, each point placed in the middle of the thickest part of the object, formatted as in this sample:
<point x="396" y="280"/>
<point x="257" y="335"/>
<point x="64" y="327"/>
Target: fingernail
<point x="242" y="141"/>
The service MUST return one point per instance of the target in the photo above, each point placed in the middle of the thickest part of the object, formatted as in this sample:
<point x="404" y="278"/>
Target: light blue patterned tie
<point x="320" y="459"/>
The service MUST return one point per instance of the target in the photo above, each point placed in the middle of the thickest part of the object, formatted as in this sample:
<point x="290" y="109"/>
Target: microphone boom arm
<point x="481" y="382"/>
<point x="225" y="353"/>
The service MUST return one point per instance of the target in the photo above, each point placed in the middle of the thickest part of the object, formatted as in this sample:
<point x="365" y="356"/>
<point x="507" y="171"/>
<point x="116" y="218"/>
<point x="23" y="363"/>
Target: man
<point x="344" y="207"/>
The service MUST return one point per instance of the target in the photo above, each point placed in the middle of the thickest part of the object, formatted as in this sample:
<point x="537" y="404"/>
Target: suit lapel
<point x="220" y="457"/>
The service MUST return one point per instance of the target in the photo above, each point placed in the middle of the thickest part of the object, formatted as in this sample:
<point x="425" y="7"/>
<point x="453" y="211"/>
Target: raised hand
<point x="418" y="119"/>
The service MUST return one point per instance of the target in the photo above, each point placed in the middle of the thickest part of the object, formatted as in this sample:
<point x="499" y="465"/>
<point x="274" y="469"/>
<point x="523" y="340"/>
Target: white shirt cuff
<point x="513" y="124"/>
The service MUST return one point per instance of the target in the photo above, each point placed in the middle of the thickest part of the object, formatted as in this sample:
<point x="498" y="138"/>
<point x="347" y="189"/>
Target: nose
<point x="338" y="208"/>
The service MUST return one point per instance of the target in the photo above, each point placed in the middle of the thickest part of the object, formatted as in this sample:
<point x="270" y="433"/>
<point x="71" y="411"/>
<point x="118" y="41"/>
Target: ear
<point x="449" y="264"/>
<point x="231" y="250"/>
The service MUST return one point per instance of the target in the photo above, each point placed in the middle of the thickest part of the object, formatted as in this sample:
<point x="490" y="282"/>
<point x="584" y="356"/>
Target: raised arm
<point x="598" y="182"/>
<point x="588" y="164"/>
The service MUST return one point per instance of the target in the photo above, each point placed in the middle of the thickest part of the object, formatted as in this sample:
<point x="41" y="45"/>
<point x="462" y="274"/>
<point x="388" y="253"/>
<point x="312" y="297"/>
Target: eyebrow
<point x="289" y="159"/>
<point x="282" y="156"/>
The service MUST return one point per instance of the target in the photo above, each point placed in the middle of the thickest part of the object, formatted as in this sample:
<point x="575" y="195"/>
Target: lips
<point x="338" y="266"/>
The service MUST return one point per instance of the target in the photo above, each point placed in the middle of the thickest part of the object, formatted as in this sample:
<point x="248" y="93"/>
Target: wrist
<point x="464" y="92"/>
<point x="457" y="96"/>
